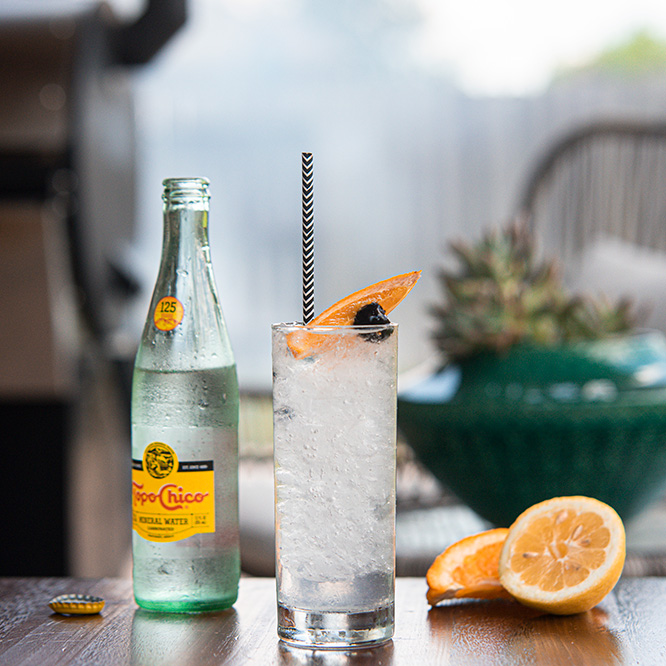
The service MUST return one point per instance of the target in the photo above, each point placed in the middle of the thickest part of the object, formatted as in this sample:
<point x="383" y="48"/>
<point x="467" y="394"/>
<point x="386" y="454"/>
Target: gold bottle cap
<point x="76" y="604"/>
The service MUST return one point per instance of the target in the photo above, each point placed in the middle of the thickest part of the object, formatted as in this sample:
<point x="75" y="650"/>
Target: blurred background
<point x="425" y="119"/>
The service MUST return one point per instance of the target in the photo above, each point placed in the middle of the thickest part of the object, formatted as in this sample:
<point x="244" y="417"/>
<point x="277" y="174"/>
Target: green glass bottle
<point x="185" y="540"/>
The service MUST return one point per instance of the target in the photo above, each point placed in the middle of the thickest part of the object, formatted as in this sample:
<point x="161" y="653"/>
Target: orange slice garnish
<point x="563" y="555"/>
<point x="387" y="293"/>
<point x="468" y="568"/>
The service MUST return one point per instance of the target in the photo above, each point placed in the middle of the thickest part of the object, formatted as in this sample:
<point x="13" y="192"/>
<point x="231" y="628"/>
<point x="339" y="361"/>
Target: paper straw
<point x="308" y="238"/>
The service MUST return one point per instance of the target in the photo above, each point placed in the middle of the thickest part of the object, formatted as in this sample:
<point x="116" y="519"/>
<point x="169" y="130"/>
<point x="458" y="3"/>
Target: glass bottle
<point x="185" y="539"/>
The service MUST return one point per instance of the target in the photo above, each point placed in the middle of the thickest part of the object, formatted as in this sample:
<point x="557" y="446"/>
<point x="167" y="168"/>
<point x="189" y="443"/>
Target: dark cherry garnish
<point x="372" y="314"/>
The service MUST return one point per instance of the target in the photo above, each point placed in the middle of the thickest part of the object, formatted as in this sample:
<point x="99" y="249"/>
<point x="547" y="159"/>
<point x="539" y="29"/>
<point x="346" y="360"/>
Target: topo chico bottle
<point x="185" y="540"/>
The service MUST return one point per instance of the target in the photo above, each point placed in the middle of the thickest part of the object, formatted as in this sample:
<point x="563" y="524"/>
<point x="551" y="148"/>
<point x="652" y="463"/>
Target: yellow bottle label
<point x="171" y="499"/>
<point x="168" y="313"/>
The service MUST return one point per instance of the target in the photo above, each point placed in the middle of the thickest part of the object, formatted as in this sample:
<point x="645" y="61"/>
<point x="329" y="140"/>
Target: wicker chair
<point x="607" y="179"/>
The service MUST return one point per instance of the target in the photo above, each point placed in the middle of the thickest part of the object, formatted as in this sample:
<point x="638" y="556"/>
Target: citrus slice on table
<point x="563" y="555"/>
<point x="387" y="294"/>
<point x="468" y="568"/>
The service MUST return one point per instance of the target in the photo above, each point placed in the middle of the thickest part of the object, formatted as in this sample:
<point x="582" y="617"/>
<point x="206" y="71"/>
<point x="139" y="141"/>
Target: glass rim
<point x="329" y="328"/>
<point x="186" y="182"/>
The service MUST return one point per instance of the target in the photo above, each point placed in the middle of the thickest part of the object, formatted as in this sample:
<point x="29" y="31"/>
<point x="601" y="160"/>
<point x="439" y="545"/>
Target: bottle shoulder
<point x="185" y="328"/>
<point x="187" y="351"/>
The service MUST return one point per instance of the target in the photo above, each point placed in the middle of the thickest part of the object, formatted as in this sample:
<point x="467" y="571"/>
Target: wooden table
<point x="629" y="627"/>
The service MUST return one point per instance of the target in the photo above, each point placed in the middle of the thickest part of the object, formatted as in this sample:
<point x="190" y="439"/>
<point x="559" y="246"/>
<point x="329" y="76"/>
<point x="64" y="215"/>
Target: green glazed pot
<point x="506" y="432"/>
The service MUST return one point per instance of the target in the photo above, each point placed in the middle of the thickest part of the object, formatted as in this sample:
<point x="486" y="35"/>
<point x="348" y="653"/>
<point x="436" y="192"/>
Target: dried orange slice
<point x="563" y="555"/>
<point x="468" y="569"/>
<point x="387" y="293"/>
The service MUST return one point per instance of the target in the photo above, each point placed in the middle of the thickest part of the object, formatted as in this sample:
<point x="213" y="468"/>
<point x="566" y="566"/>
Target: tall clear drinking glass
<point x="334" y="407"/>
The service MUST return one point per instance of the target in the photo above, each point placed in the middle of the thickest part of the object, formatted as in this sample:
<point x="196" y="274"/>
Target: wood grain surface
<point x="628" y="627"/>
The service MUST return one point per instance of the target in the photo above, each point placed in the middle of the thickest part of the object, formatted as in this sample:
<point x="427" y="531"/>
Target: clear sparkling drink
<point x="185" y="538"/>
<point x="335" y="465"/>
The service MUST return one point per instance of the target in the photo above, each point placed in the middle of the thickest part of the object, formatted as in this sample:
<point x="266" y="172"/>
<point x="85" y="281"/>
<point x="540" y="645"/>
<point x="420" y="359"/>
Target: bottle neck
<point x="185" y="328"/>
<point x="185" y="213"/>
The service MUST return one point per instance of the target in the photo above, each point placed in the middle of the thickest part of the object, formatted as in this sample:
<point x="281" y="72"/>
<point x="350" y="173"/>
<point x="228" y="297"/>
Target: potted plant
<point x="540" y="392"/>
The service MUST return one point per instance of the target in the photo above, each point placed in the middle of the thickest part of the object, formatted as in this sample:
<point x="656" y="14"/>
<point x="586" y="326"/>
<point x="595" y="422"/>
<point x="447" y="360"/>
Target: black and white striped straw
<point x="308" y="237"/>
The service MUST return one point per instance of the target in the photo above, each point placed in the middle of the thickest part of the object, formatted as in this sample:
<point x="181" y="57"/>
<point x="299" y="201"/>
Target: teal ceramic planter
<point x="505" y="432"/>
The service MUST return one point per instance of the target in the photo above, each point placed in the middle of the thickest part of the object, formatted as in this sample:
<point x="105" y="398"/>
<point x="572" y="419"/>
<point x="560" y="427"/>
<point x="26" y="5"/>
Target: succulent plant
<point x="502" y="293"/>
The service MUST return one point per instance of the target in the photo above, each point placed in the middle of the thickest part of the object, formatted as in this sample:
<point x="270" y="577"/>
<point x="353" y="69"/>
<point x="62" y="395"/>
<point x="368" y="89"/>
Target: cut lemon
<point x="468" y="569"/>
<point x="563" y="555"/>
<point x="387" y="294"/>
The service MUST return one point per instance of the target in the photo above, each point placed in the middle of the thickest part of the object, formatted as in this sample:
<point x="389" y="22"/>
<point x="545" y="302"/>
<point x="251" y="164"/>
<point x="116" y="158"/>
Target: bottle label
<point x="168" y="313"/>
<point x="171" y="499"/>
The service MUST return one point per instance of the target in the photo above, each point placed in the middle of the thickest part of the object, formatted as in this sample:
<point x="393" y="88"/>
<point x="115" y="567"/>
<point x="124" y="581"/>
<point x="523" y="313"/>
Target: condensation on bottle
<point x="185" y="538"/>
